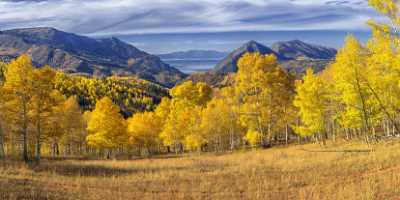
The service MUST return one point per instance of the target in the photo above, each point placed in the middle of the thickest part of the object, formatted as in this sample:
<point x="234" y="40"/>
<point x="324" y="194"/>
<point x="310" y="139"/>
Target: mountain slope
<point x="229" y="63"/>
<point x="297" y="49"/>
<point x="194" y="54"/>
<point x="79" y="54"/>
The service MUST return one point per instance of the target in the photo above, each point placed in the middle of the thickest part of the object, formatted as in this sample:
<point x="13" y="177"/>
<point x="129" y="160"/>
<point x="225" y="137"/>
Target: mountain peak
<point x="229" y="64"/>
<point x="253" y="45"/>
<point x="252" y="42"/>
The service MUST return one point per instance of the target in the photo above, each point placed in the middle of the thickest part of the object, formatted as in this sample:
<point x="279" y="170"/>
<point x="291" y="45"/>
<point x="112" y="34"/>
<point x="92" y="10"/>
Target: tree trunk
<point x="53" y="149"/>
<point x="168" y="149"/>
<point x="57" y="149"/>
<point x="25" y="136"/>
<point x="38" y="143"/>
<point x="287" y="134"/>
<point x="109" y="153"/>
<point x="324" y="137"/>
<point x="2" y="152"/>
<point x="25" y="146"/>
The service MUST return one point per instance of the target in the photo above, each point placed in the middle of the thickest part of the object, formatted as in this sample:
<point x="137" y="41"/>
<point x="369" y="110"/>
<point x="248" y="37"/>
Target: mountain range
<point x="110" y="56"/>
<point x="79" y="54"/>
<point x="288" y="54"/>
<point x="295" y="56"/>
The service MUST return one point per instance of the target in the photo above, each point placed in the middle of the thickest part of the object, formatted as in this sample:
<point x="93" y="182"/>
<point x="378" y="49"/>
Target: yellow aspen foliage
<point x="163" y="109"/>
<point x="195" y="93"/>
<point x="312" y="102"/>
<point x="41" y="103"/>
<point x="55" y="123"/>
<point x="182" y="115"/>
<point x="351" y="77"/>
<point x="253" y="137"/>
<point x="194" y="141"/>
<point x="220" y="122"/>
<point x="144" y="129"/>
<point x="73" y="123"/>
<point x="389" y="8"/>
<point x="265" y="92"/>
<point x="193" y="137"/>
<point x="18" y="91"/>
<point x="106" y="127"/>
<point x="183" y="120"/>
<point x="384" y="67"/>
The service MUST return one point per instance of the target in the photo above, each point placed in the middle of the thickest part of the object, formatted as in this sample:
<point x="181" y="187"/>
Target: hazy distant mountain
<point x="297" y="49"/>
<point x="229" y="63"/>
<point x="194" y="54"/>
<point x="78" y="54"/>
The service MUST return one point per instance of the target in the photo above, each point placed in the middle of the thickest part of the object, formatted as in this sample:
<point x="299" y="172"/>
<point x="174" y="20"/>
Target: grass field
<point x="337" y="171"/>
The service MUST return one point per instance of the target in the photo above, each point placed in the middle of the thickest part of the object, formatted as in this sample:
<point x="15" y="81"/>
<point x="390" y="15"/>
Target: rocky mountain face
<point x="79" y="54"/>
<point x="229" y="63"/>
<point x="300" y="50"/>
<point x="194" y="54"/>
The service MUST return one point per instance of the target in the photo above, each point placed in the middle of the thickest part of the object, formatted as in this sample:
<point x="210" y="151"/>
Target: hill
<point x="79" y="54"/>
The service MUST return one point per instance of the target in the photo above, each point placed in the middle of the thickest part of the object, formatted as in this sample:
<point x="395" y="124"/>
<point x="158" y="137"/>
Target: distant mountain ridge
<point x="297" y="49"/>
<point x="79" y="54"/>
<point x="194" y="54"/>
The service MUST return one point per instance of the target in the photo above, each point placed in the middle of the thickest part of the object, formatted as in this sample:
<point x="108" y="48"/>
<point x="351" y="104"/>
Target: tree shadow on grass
<point x="18" y="188"/>
<point x="69" y="169"/>
<point x="65" y="168"/>
<point x="339" y="151"/>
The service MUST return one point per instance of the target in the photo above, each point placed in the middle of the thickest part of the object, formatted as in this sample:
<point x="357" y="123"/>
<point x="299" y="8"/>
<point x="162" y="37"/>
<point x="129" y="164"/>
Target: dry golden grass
<point x="338" y="171"/>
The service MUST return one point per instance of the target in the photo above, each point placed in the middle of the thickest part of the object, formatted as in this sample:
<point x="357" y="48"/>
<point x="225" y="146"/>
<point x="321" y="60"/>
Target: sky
<point x="160" y="26"/>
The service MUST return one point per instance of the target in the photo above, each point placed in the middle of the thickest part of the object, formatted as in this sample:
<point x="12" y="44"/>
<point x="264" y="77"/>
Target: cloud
<point x="111" y="17"/>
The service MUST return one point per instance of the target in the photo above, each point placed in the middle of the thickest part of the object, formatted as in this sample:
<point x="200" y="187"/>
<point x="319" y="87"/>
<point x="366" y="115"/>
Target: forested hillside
<point x="130" y="94"/>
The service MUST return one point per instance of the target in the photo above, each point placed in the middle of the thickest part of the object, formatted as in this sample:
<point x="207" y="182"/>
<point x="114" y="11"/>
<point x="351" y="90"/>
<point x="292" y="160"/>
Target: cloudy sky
<point x="167" y="25"/>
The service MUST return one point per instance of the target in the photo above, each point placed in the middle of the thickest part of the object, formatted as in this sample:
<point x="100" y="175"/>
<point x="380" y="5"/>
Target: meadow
<point x="340" y="170"/>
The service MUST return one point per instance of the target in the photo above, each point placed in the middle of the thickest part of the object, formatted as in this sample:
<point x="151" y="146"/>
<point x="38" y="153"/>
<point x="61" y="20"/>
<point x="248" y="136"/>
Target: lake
<point x="192" y="65"/>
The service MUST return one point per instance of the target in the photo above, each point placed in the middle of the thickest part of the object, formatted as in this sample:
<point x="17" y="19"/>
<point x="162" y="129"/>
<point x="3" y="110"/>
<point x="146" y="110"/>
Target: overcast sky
<point x="134" y="20"/>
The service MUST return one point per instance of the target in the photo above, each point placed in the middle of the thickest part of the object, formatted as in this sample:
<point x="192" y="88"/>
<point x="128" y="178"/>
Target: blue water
<point x="192" y="65"/>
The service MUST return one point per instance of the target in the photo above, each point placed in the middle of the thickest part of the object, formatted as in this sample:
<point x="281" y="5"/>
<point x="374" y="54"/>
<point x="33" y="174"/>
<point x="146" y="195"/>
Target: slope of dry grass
<point x="338" y="171"/>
